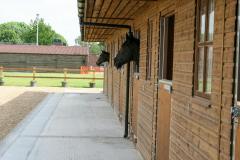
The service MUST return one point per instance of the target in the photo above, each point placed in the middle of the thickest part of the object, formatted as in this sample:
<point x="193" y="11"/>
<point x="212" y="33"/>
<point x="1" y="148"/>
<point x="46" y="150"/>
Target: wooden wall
<point x="50" y="61"/>
<point x="199" y="130"/>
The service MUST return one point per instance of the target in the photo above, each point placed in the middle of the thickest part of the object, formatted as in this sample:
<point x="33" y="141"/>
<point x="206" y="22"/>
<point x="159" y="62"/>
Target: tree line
<point x="22" y="33"/>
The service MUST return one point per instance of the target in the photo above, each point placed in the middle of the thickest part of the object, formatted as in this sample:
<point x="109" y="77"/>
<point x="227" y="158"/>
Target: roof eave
<point x="81" y="14"/>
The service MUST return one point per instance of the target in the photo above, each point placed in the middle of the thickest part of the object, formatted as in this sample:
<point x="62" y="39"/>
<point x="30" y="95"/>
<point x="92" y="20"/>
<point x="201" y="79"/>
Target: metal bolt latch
<point x="236" y="112"/>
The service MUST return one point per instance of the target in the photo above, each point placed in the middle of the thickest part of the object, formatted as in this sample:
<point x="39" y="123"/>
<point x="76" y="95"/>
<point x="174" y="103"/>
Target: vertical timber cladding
<point x="133" y="101"/>
<point x="197" y="131"/>
<point x="194" y="130"/>
<point x="200" y="131"/>
<point x="105" y="80"/>
<point x="226" y="73"/>
<point x="117" y="82"/>
<point x="165" y="59"/>
<point x="109" y="73"/>
<point x="122" y="89"/>
<point x="134" y="87"/>
<point x="147" y="95"/>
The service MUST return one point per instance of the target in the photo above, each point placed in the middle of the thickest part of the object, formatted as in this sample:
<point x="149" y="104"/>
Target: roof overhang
<point x="100" y="18"/>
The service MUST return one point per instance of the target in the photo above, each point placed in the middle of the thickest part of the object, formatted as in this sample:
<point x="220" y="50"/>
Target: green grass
<point x="51" y="82"/>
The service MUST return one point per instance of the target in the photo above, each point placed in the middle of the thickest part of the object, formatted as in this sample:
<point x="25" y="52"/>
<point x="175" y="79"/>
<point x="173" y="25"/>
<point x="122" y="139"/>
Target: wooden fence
<point x="66" y="71"/>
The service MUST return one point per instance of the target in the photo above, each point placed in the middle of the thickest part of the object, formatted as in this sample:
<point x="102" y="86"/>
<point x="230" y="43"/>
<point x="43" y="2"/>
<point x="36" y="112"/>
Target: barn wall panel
<point x="199" y="129"/>
<point x="49" y="61"/>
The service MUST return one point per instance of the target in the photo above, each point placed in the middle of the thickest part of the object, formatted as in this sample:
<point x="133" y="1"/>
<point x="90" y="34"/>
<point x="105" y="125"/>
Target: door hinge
<point x="235" y="112"/>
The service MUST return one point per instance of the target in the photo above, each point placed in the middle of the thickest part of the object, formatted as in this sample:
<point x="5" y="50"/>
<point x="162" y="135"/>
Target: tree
<point x="9" y="36"/>
<point x="13" y="32"/>
<point x="47" y="35"/>
<point x="95" y="47"/>
<point x="59" y="39"/>
<point x="79" y="41"/>
<point x="20" y="33"/>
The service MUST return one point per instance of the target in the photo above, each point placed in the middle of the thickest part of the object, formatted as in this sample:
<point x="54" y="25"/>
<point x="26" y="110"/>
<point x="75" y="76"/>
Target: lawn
<point x="51" y="82"/>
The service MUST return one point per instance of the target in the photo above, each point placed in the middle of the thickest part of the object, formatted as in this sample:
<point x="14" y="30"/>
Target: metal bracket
<point x="235" y="112"/>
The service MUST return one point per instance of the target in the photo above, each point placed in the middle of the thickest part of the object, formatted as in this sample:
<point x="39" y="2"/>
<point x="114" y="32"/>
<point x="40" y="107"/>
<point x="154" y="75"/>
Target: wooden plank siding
<point x="52" y="61"/>
<point x="199" y="129"/>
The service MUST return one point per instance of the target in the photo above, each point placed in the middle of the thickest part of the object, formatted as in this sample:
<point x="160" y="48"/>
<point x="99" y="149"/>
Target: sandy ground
<point x="15" y="110"/>
<point x="17" y="102"/>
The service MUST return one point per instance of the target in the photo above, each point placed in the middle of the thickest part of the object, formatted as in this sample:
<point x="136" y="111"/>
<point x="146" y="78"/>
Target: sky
<point x="62" y="15"/>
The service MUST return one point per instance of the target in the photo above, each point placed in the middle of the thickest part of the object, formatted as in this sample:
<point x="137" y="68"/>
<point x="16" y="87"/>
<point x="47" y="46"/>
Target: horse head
<point x="129" y="51"/>
<point x="104" y="57"/>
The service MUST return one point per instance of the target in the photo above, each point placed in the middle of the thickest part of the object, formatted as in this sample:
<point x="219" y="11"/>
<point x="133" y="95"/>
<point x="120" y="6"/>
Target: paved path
<point x="69" y="126"/>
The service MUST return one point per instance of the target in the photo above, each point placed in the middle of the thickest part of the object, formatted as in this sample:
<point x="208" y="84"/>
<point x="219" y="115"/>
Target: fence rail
<point x="66" y="71"/>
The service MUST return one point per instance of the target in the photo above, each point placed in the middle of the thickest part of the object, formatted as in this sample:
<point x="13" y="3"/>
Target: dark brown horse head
<point x="104" y="57"/>
<point x="129" y="51"/>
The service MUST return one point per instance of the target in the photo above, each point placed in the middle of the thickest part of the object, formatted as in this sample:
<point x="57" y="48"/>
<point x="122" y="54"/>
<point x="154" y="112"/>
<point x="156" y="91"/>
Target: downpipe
<point x="126" y="129"/>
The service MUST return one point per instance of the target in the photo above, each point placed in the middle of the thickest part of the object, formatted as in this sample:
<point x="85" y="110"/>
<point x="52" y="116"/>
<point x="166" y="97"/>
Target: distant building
<point x="24" y="56"/>
<point x="92" y="58"/>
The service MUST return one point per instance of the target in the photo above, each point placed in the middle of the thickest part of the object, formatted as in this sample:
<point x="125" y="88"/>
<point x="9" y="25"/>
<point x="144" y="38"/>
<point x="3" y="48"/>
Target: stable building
<point x="28" y="56"/>
<point x="177" y="101"/>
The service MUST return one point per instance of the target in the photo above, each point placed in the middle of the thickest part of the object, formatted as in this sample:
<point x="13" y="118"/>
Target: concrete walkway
<point x="69" y="126"/>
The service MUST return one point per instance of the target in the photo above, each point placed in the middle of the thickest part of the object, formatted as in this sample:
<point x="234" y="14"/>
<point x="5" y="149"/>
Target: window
<point x="166" y="40"/>
<point x="149" y="49"/>
<point x="204" y="48"/>
<point x="136" y="63"/>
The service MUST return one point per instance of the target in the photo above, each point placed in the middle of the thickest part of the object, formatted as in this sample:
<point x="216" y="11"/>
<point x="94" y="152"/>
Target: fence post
<point x="92" y="84"/>
<point x="34" y="73"/>
<point x="33" y="82"/>
<point x="1" y="76"/>
<point x="64" y="83"/>
<point x="94" y="76"/>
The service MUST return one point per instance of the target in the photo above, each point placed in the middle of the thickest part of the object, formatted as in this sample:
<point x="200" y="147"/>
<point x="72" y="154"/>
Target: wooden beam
<point x="100" y="28"/>
<point x="145" y="0"/>
<point x="90" y="7"/>
<point x="110" y="18"/>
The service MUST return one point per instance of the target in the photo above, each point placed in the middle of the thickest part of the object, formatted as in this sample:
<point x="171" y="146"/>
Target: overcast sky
<point x="60" y="14"/>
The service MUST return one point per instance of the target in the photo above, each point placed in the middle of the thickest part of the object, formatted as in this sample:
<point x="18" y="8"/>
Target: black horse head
<point x="104" y="57"/>
<point x="128" y="52"/>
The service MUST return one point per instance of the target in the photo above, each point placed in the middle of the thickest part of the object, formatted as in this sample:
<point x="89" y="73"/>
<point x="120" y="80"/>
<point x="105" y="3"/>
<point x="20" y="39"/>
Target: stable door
<point x="166" y="43"/>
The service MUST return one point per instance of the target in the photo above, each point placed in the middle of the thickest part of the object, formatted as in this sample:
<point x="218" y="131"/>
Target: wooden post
<point x="64" y="83"/>
<point x="33" y="82"/>
<point x="1" y="71"/>
<point x="65" y="74"/>
<point x="1" y="76"/>
<point x="92" y="84"/>
<point x="34" y="73"/>
<point x="94" y="76"/>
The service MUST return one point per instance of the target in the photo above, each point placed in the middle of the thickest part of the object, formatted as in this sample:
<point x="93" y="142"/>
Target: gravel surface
<point x="17" y="102"/>
<point x="14" y="106"/>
